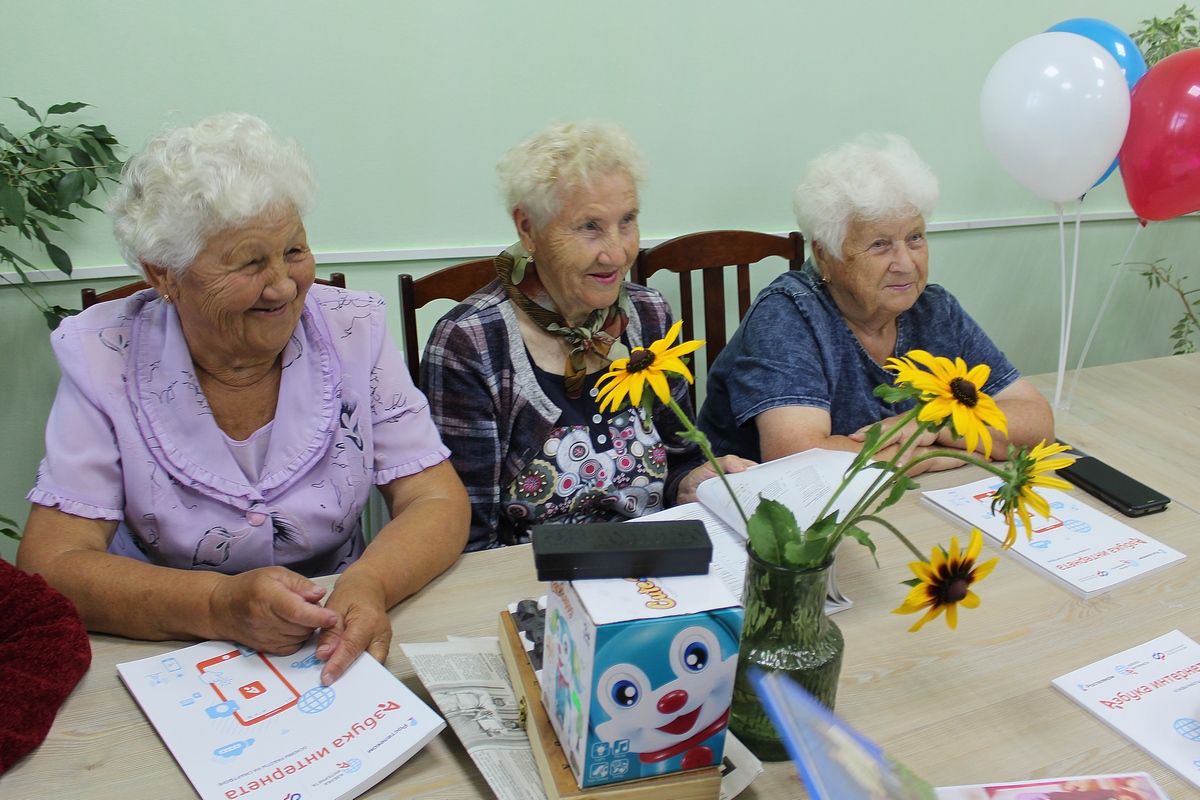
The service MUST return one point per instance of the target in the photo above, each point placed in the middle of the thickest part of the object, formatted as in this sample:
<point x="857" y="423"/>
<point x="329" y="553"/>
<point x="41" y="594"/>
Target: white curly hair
<point x="874" y="177"/>
<point x="562" y="155"/>
<point x="189" y="183"/>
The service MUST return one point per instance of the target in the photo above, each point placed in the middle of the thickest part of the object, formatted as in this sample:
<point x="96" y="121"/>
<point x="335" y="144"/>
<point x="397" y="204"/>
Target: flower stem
<point x="705" y="448"/>
<point x="896" y="531"/>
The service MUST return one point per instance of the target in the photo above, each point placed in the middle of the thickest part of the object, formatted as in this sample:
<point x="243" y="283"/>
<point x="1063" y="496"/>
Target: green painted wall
<point x="405" y="108"/>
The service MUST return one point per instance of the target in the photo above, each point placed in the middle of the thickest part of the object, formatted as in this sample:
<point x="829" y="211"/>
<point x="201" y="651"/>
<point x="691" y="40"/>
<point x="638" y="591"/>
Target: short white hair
<point x="560" y="156"/>
<point x="190" y="183"/>
<point x="873" y="177"/>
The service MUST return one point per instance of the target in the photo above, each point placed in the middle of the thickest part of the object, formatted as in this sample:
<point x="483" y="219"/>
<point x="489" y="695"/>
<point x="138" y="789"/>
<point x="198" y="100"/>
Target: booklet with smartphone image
<point x="244" y="724"/>
<point x="838" y="763"/>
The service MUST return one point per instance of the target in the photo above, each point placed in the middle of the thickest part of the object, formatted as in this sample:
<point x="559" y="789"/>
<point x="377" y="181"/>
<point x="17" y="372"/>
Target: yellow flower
<point x="629" y="376"/>
<point x="949" y="389"/>
<point x="946" y="581"/>
<point x="1017" y="496"/>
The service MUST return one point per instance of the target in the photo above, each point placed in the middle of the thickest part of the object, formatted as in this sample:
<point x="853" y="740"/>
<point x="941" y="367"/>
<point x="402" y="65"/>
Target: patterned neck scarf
<point x="601" y="332"/>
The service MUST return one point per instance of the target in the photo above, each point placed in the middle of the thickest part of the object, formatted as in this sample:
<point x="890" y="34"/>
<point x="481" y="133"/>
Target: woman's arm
<point x="785" y="430"/>
<point x="430" y="521"/>
<point x="271" y="609"/>
<point x="1029" y="417"/>
<point x="454" y="377"/>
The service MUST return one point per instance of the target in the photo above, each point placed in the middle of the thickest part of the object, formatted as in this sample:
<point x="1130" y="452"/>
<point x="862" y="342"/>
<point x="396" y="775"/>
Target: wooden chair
<point x="455" y="283"/>
<point x="90" y="298"/>
<point x="711" y="252"/>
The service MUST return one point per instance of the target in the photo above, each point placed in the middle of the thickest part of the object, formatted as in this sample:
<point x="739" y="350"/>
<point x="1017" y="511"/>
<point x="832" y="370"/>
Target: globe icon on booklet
<point x="350" y="765"/>
<point x="1188" y="729"/>
<point x="1076" y="526"/>
<point x="316" y="700"/>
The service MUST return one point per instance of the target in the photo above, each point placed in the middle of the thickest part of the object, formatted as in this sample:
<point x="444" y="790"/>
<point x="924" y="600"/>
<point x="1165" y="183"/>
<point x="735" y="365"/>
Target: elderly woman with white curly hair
<point x="801" y="369"/>
<point x="510" y="373"/>
<point x="214" y="438"/>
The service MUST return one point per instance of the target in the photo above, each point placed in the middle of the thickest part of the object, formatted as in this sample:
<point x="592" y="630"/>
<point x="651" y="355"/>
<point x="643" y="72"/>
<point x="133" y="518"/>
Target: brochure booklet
<point x="1150" y="694"/>
<point x="1079" y="547"/>
<point x="837" y="763"/>
<point x="244" y="725"/>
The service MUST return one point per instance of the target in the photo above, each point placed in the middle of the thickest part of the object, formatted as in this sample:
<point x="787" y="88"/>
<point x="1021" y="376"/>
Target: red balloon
<point x="1160" y="160"/>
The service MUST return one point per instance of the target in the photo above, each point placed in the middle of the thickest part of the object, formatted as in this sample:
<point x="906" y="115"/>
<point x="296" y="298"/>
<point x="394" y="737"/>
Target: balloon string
<point x="1066" y="339"/>
<point x="1103" y="306"/>
<point x="1062" y="317"/>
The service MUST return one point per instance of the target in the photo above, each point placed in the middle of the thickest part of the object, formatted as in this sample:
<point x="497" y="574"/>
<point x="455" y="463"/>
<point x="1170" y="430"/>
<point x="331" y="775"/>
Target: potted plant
<point x="46" y="175"/>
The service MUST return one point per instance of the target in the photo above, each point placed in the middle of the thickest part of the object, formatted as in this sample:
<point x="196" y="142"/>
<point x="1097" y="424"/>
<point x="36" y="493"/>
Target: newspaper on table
<point x="468" y="681"/>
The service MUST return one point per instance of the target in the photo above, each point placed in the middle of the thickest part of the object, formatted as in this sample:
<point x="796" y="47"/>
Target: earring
<point x="166" y="298"/>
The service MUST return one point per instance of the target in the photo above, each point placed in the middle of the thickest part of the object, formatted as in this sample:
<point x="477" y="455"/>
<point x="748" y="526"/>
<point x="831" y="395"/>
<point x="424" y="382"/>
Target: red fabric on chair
<point x="44" y="651"/>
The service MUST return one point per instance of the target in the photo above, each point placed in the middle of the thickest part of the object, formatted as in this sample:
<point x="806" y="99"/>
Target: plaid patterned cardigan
<point x="485" y="400"/>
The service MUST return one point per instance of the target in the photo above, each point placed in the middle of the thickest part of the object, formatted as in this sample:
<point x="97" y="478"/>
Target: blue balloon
<point x="1117" y="43"/>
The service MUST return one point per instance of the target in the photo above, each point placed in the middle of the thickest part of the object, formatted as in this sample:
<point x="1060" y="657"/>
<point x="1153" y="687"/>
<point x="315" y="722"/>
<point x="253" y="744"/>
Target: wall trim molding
<point x="463" y="252"/>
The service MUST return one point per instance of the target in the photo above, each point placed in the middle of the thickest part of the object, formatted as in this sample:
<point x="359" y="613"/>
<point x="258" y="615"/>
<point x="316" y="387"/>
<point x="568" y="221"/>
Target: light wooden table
<point x="963" y="706"/>
<point x="1142" y="417"/>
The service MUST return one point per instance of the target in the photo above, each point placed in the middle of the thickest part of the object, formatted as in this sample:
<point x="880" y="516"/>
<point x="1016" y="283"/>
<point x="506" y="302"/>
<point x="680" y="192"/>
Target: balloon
<point x="1119" y="46"/>
<point x="1054" y="110"/>
<point x="1160" y="160"/>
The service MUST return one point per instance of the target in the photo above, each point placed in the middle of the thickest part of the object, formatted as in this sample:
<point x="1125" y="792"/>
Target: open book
<point x="803" y="482"/>
<point x="838" y="763"/>
<point x="238" y="721"/>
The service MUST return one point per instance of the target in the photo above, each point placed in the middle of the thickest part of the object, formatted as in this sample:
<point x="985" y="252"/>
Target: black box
<point x="620" y="550"/>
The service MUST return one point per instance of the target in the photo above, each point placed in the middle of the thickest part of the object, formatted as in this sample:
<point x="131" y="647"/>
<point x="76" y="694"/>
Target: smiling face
<point x="882" y="270"/>
<point x="584" y="253"/>
<point x="241" y="298"/>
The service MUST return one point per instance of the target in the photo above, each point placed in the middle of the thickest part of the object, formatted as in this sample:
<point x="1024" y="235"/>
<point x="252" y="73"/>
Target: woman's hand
<point x="271" y="609"/>
<point x="363" y="624"/>
<point x="926" y="439"/>
<point x="687" y="487"/>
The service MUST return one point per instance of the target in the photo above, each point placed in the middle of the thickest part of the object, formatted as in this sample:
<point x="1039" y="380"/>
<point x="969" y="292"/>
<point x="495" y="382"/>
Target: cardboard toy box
<point x="638" y="674"/>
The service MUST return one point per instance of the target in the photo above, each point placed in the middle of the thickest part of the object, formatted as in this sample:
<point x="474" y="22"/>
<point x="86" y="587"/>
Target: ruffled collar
<point x="174" y="418"/>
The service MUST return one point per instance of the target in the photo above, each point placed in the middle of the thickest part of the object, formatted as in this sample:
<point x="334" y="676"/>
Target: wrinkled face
<point x="882" y="271"/>
<point x="241" y="298"/>
<point x="584" y="253"/>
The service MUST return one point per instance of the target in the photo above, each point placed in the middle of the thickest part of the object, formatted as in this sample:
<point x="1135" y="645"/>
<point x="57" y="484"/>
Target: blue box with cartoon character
<point x="637" y="675"/>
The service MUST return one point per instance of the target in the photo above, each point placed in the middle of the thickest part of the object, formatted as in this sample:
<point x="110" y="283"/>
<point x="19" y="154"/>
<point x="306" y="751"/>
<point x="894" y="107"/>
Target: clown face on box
<point x="638" y="674"/>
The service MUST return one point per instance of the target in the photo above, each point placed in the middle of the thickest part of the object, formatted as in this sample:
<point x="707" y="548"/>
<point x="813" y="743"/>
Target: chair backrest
<point x="711" y="252"/>
<point x="90" y="298"/>
<point x="455" y="283"/>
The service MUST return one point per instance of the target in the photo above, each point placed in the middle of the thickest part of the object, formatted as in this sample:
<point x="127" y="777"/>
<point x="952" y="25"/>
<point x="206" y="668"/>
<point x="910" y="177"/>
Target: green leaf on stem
<point x="59" y="257"/>
<point x="901" y="484"/>
<point x="70" y="189"/>
<point x="28" y="109"/>
<point x="12" y="203"/>
<point x="863" y="538"/>
<point x="770" y="528"/>
<point x="65" y="108"/>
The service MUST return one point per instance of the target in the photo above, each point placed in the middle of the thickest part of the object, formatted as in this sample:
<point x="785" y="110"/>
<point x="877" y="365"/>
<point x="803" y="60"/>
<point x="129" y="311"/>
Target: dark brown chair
<point x="710" y="252"/>
<point x="455" y="283"/>
<point x="90" y="298"/>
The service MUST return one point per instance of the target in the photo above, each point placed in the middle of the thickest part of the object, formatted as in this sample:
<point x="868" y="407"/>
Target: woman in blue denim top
<point x="800" y="370"/>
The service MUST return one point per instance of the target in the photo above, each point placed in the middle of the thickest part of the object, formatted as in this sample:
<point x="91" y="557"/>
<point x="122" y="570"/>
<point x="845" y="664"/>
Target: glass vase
<point x="785" y="630"/>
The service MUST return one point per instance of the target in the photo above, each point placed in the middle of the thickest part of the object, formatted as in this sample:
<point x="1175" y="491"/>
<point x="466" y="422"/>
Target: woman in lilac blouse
<point x="215" y="437"/>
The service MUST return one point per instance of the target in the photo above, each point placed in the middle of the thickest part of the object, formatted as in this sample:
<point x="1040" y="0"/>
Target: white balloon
<point x="1055" y="109"/>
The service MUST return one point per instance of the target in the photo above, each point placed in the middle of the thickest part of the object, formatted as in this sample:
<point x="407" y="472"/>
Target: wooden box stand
<point x="557" y="778"/>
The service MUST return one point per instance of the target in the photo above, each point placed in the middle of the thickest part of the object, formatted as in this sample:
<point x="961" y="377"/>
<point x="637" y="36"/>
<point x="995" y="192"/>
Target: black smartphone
<point x="1131" y="498"/>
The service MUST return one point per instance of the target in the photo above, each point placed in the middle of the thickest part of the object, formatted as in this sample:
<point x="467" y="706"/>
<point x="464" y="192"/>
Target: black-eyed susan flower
<point x="629" y="376"/>
<point x="1017" y="495"/>
<point x="951" y="390"/>
<point x="944" y="583"/>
